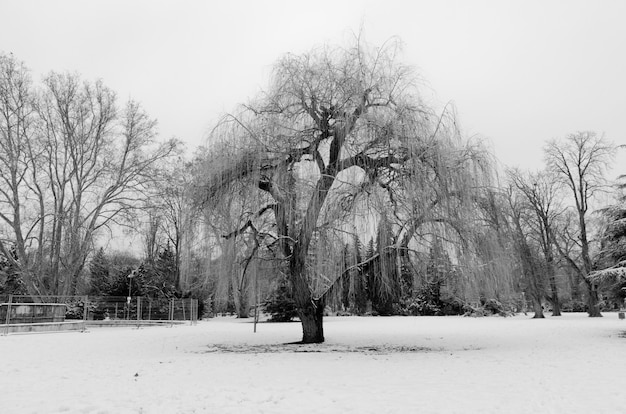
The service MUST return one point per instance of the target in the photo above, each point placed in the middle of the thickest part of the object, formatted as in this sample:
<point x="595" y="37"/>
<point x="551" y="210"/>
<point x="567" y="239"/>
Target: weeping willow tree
<point x="340" y="132"/>
<point x="225" y="229"/>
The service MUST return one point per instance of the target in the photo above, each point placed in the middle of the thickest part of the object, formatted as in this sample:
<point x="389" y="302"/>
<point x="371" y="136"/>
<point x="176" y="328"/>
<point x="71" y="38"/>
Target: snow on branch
<point x="613" y="273"/>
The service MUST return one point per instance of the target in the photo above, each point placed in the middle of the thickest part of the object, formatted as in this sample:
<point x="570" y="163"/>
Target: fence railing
<point x="116" y="309"/>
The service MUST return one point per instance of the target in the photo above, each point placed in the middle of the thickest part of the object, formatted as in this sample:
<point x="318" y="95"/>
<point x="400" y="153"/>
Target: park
<point x="454" y="364"/>
<point x="275" y="207"/>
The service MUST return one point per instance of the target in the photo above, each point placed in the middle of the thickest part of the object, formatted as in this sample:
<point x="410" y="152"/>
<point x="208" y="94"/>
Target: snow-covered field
<point x="571" y="364"/>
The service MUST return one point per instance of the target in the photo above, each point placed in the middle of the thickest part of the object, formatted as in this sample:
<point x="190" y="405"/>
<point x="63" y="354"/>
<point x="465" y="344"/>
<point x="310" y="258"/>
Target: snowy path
<point x="572" y="364"/>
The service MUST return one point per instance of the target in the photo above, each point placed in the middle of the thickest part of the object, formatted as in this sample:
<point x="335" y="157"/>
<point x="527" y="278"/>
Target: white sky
<point x="519" y="72"/>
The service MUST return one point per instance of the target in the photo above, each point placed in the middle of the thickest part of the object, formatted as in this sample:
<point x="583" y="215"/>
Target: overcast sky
<point x="518" y="72"/>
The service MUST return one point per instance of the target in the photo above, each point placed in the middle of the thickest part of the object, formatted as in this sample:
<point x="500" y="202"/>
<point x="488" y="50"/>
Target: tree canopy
<point x="341" y="133"/>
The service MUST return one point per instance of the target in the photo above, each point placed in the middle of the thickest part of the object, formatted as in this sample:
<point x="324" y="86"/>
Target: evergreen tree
<point x="612" y="257"/>
<point x="438" y="269"/>
<point x="10" y="281"/>
<point x="158" y="279"/>
<point x="99" y="274"/>
<point x="281" y="305"/>
<point x="358" y="281"/>
<point x="383" y="281"/>
<point x="122" y="265"/>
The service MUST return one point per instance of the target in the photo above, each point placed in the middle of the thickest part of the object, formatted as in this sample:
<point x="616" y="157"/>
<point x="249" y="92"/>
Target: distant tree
<point x="610" y="262"/>
<point x="281" y="306"/>
<point x="358" y="283"/>
<point x="99" y="273"/>
<point x="579" y="163"/>
<point x="158" y="279"/>
<point x="121" y="265"/>
<point x="72" y="164"/>
<point x="10" y="281"/>
<point x="488" y="261"/>
<point x="384" y="282"/>
<point x="527" y="256"/>
<point x="170" y="217"/>
<point x="540" y="191"/>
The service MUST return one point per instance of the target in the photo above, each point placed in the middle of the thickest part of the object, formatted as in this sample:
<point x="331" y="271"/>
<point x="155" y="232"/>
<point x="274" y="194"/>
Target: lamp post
<point x="131" y="275"/>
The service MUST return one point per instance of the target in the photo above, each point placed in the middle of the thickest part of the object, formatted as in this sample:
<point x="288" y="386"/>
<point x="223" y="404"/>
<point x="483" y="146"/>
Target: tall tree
<point x="99" y="273"/>
<point x="170" y="216"/>
<point x="529" y="263"/>
<point x="610" y="263"/>
<point x="74" y="164"/>
<point x="337" y="124"/>
<point x="540" y="191"/>
<point x="19" y="172"/>
<point x="579" y="162"/>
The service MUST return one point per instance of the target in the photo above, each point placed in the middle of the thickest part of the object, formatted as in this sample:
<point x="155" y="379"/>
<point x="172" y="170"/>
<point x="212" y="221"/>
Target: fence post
<point x="138" y="310"/>
<point x="171" y="312"/>
<point x="8" y="318"/>
<point x="85" y="312"/>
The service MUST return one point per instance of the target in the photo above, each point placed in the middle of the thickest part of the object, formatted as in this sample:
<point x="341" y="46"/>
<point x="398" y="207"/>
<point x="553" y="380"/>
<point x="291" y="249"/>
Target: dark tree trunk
<point x="575" y="286"/>
<point x="554" y="290"/>
<point x="593" y="301"/>
<point x="538" y="309"/>
<point x="240" y="299"/>
<point x="554" y="297"/>
<point x="310" y="310"/>
<point x="311" y="317"/>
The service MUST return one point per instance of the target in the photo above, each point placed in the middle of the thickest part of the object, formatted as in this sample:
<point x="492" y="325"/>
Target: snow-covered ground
<point x="571" y="364"/>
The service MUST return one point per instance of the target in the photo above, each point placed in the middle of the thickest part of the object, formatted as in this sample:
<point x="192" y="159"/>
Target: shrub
<point x="574" y="306"/>
<point x="488" y="308"/>
<point x="281" y="305"/>
<point x="76" y="310"/>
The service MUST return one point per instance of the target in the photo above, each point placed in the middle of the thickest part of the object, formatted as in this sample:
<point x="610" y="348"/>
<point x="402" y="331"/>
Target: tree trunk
<point x="554" y="290"/>
<point x="554" y="297"/>
<point x="311" y="317"/>
<point x="593" y="301"/>
<point x="240" y="298"/>
<point x="575" y="286"/>
<point x="310" y="310"/>
<point x="538" y="309"/>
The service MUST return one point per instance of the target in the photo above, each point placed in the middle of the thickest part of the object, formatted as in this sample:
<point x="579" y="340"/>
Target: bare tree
<point x="541" y="193"/>
<point x="337" y="125"/>
<point x="81" y="166"/>
<point x="579" y="163"/>
<point x="520" y="215"/>
<point x="169" y="213"/>
<point x="19" y="172"/>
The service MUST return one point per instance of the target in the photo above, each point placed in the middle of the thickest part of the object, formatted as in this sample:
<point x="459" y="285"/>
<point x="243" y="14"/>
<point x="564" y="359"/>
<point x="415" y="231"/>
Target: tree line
<point x="340" y="148"/>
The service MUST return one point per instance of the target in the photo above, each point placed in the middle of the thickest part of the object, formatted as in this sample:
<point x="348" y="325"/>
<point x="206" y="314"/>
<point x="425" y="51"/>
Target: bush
<point x="428" y="301"/>
<point x="488" y="308"/>
<point x="281" y="305"/>
<point x="76" y="310"/>
<point x="574" y="306"/>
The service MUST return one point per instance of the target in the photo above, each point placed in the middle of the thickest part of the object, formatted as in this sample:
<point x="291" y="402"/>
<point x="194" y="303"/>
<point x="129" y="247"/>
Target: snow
<point x="572" y="364"/>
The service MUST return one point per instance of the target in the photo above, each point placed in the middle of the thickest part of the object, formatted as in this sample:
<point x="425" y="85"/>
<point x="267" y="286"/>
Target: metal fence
<point x="96" y="310"/>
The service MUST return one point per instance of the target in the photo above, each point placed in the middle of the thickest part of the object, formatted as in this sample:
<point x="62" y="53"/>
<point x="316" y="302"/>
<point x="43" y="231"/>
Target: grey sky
<point x="519" y="72"/>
